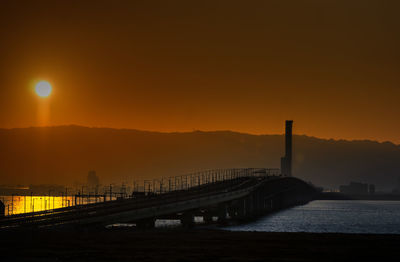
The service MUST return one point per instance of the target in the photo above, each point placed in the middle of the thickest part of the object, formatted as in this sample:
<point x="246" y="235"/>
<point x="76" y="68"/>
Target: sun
<point x="43" y="89"/>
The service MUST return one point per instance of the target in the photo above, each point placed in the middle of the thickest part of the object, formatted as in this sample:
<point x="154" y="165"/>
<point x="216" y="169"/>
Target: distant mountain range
<point x="64" y="155"/>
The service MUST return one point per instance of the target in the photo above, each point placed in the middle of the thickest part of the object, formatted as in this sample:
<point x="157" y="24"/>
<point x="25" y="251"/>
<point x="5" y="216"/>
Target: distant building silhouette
<point x="93" y="181"/>
<point x="357" y="188"/>
<point x="286" y="161"/>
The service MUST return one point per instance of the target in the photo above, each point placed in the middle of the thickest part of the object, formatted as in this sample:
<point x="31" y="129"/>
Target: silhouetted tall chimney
<point x="289" y="124"/>
<point x="286" y="161"/>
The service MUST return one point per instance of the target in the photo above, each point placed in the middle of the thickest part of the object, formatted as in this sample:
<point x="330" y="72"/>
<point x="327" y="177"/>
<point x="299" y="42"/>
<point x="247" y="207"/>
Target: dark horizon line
<point x="200" y="131"/>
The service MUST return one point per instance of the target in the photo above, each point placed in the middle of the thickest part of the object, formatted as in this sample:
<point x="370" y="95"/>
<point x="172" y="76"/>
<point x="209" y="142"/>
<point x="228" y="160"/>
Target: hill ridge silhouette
<point x="199" y="131"/>
<point x="64" y="154"/>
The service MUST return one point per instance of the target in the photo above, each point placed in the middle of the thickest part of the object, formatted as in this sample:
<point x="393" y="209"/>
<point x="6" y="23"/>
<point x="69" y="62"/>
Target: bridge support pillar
<point x="207" y="217"/>
<point x="222" y="211"/>
<point x="259" y="203"/>
<point x="232" y="211"/>
<point x="241" y="209"/>
<point x="146" y="223"/>
<point x="2" y="210"/>
<point x="248" y="206"/>
<point x="187" y="220"/>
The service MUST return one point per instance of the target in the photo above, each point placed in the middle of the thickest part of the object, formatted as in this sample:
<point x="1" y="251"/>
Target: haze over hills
<point x="64" y="155"/>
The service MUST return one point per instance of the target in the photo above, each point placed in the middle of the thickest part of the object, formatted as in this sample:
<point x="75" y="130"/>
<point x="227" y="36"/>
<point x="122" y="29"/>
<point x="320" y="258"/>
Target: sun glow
<point x="43" y="89"/>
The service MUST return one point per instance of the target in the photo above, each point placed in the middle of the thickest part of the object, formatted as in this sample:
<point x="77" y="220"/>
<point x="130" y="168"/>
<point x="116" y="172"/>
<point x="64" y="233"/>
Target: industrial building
<point x="357" y="188"/>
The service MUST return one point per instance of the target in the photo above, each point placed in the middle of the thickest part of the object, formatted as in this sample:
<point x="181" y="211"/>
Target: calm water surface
<point x="23" y="204"/>
<point x="344" y="216"/>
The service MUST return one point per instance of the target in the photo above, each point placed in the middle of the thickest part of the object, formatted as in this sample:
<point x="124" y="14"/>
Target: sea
<point x="319" y="216"/>
<point x="331" y="216"/>
<point x="24" y="204"/>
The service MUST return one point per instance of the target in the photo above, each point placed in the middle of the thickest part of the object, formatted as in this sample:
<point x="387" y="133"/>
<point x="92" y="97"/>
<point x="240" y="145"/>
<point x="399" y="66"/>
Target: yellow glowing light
<point x="43" y="89"/>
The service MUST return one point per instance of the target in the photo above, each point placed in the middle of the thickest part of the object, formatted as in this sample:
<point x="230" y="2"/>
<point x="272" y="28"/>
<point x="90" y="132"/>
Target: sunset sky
<point x="331" y="66"/>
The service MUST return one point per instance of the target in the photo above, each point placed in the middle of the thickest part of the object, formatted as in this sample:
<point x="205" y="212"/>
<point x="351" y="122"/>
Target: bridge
<point x="221" y="195"/>
<point x="237" y="194"/>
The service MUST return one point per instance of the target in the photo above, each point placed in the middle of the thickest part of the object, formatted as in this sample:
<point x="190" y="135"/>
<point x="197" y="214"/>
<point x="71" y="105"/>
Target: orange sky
<point x="331" y="66"/>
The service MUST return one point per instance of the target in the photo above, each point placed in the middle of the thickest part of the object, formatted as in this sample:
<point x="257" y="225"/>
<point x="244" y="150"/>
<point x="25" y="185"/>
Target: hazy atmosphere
<point x="332" y="66"/>
<point x="64" y="155"/>
<point x="186" y="130"/>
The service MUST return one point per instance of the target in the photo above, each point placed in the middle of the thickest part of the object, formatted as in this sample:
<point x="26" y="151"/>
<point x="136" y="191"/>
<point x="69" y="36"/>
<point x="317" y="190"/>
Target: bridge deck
<point x="97" y="211"/>
<point x="151" y="206"/>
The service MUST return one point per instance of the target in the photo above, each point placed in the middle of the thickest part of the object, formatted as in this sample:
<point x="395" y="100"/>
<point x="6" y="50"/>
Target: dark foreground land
<point x="195" y="245"/>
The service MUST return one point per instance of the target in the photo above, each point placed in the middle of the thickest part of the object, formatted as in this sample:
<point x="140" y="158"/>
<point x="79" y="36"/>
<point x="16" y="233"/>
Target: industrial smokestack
<point x="289" y="125"/>
<point x="286" y="161"/>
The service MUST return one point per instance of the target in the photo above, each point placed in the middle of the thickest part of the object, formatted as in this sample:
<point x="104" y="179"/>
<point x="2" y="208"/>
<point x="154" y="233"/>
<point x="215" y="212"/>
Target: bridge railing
<point x="197" y="179"/>
<point x="165" y="185"/>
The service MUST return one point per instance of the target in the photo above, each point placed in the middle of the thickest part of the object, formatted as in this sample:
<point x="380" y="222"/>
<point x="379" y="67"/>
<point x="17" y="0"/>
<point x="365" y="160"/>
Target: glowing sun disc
<point x="43" y="89"/>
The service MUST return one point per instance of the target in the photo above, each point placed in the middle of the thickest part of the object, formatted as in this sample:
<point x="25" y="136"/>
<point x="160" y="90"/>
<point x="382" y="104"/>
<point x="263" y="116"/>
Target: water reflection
<point x="25" y="204"/>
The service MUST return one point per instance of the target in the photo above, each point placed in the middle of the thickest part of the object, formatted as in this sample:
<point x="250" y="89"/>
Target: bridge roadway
<point x="238" y="198"/>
